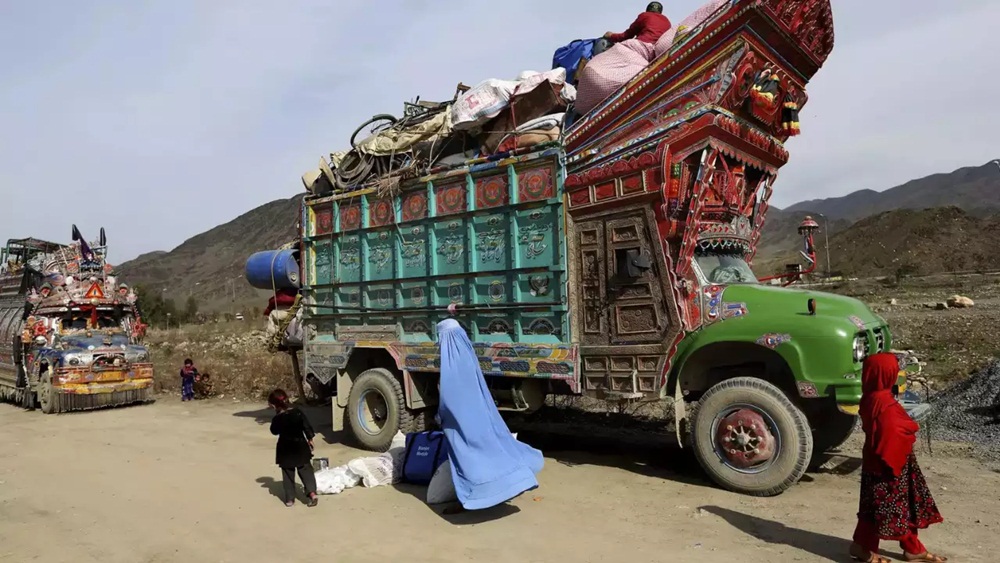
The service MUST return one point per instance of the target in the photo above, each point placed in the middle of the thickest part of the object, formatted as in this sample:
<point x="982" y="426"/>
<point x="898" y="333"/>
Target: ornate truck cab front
<point x="74" y="331"/>
<point x="92" y="369"/>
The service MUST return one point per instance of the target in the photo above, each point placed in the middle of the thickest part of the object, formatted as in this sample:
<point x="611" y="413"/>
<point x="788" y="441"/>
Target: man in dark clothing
<point x="648" y="27"/>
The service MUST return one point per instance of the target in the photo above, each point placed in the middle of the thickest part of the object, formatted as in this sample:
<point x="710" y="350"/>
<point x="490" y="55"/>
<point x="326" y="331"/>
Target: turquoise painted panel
<point x="324" y="300"/>
<point x="543" y="328"/>
<point x="451" y="246"/>
<point x="380" y="297"/>
<point x="348" y="265"/>
<point x="322" y="256"/>
<point x="492" y="290"/>
<point x="417" y="328"/>
<point x="413" y="251"/>
<point x="379" y="259"/>
<point x="492" y="242"/>
<point x="451" y="291"/>
<point x="348" y="297"/>
<point x="538" y="238"/>
<point x="447" y="241"/>
<point x="414" y="295"/>
<point x="495" y="327"/>
<point x="540" y="287"/>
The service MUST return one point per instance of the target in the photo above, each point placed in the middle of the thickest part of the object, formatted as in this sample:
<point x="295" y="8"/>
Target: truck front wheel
<point x="376" y="409"/>
<point x="750" y="438"/>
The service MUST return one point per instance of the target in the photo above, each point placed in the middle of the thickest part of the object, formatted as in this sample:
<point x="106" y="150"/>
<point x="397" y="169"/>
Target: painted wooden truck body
<point x="613" y="265"/>
<point x="71" y="334"/>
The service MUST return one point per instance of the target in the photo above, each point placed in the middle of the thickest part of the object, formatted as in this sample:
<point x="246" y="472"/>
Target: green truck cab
<point x="614" y="263"/>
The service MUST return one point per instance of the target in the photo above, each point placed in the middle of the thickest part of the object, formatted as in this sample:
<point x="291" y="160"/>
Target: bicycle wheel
<point x="373" y="126"/>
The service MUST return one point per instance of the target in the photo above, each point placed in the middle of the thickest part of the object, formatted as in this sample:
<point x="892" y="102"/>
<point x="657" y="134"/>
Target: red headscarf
<point x="889" y="432"/>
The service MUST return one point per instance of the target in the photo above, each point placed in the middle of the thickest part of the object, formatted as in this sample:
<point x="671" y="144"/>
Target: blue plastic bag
<point x="425" y="452"/>
<point x="569" y="56"/>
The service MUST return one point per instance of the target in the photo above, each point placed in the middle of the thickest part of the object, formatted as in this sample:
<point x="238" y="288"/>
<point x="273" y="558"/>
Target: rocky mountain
<point x="209" y="266"/>
<point x="974" y="189"/>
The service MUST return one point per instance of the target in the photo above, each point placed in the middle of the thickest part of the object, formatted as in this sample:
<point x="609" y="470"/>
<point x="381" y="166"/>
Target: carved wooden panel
<point x="636" y="306"/>
<point x="592" y="263"/>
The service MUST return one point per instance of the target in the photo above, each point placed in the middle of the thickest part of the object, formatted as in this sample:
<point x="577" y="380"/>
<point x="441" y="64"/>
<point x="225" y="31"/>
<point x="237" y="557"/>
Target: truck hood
<point x="787" y="305"/>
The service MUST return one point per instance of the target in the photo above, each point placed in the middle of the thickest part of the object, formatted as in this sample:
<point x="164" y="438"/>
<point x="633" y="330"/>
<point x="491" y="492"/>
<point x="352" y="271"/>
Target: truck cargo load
<point x="615" y="262"/>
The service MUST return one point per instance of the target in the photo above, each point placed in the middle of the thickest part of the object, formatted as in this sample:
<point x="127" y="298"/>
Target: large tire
<point x="789" y="437"/>
<point x="376" y="409"/>
<point x="47" y="394"/>
<point x="830" y="430"/>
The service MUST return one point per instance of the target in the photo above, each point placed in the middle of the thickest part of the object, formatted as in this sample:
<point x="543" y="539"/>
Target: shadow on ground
<point x="648" y="454"/>
<point x="453" y="513"/>
<point x="829" y="548"/>
<point x="273" y="486"/>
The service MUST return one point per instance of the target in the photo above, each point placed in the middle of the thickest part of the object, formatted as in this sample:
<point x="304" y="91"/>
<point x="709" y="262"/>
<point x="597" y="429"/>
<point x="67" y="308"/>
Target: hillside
<point x="209" y="266"/>
<point x="943" y="239"/>
<point x="904" y="241"/>
<point x="974" y="189"/>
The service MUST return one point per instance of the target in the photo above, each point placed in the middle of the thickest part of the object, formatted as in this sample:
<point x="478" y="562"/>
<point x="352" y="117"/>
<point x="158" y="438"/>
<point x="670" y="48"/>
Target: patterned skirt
<point x="898" y="505"/>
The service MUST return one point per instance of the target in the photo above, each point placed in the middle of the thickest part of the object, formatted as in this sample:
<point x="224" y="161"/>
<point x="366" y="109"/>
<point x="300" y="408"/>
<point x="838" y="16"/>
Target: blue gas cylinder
<point x="274" y="269"/>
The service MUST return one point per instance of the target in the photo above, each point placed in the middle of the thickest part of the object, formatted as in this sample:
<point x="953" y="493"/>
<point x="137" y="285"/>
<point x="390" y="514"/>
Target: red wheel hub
<point x="744" y="439"/>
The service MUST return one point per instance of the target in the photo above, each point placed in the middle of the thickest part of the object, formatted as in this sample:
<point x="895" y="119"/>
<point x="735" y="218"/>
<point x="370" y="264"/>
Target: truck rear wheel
<point x="750" y="438"/>
<point x="376" y="409"/>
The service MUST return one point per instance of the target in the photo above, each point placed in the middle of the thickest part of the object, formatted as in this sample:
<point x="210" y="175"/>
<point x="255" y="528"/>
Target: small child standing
<point x="294" y="449"/>
<point x="188" y="375"/>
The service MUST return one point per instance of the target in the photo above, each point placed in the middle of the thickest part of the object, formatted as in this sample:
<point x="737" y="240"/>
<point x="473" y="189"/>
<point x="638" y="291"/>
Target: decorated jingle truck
<point x="614" y="262"/>
<point x="71" y="334"/>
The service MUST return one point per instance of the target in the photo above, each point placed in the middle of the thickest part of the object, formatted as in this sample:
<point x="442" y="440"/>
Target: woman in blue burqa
<point x="488" y="465"/>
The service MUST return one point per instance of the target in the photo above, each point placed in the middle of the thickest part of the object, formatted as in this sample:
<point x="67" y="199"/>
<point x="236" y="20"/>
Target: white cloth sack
<point x="441" y="489"/>
<point x="486" y="100"/>
<point x="383" y="469"/>
<point x="333" y="480"/>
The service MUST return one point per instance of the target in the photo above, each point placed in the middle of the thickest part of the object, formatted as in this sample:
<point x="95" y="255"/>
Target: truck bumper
<point x="101" y="388"/>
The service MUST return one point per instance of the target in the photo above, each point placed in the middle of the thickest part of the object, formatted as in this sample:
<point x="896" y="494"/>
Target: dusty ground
<point x="195" y="482"/>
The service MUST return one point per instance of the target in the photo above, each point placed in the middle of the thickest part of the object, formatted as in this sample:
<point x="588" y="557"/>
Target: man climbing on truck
<point x="648" y="27"/>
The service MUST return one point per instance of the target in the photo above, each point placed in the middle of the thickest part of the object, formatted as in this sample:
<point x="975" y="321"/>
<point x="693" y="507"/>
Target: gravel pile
<point x="970" y="411"/>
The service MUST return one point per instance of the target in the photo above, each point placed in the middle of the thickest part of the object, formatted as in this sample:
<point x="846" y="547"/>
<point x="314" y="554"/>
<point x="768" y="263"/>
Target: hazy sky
<point x="162" y="119"/>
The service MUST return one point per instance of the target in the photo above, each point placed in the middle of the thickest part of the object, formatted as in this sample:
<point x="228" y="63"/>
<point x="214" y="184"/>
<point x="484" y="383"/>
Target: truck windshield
<point x="724" y="267"/>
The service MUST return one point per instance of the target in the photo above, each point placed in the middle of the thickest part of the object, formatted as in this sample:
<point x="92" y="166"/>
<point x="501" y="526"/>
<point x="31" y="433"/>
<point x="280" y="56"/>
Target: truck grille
<point x="109" y="361"/>
<point x="879" y="340"/>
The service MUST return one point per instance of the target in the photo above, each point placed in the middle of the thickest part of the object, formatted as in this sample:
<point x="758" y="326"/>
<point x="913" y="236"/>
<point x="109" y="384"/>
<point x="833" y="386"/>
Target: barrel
<point x="273" y="269"/>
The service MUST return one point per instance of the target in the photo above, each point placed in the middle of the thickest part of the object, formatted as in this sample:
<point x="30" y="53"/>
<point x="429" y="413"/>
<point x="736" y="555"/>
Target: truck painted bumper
<point x="911" y="402"/>
<point x="98" y="388"/>
<point x="83" y="381"/>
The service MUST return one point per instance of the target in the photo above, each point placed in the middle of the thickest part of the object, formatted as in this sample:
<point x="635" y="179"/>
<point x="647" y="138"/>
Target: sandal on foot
<point x="313" y="501"/>
<point x="926" y="557"/>
<point x="290" y="503"/>
<point x="860" y="554"/>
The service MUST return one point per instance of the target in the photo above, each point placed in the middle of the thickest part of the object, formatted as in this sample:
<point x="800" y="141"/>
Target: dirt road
<point x="195" y="482"/>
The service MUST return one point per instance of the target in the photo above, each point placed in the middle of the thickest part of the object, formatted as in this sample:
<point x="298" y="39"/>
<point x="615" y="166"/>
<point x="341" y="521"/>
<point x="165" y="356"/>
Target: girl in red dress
<point x="895" y="501"/>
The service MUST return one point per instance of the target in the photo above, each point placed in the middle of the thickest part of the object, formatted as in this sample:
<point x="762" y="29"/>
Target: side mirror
<point x="631" y="263"/>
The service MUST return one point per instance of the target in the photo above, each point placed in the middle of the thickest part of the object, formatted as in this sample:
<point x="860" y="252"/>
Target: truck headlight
<point x="860" y="347"/>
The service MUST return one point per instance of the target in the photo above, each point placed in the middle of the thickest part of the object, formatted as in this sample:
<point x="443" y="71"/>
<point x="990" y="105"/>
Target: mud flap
<point x="339" y="403"/>
<point x="680" y="414"/>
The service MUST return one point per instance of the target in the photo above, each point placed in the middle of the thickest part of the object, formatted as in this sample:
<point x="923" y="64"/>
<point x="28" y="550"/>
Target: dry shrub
<point x="233" y="354"/>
